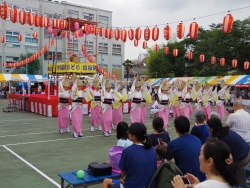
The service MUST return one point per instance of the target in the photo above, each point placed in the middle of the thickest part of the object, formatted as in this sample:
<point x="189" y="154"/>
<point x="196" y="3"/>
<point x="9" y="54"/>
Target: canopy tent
<point x="196" y="79"/>
<point x="23" y="78"/>
<point x="235" y="81"/>
<point x="244" y="80"/>
<point x="157" y="82"/>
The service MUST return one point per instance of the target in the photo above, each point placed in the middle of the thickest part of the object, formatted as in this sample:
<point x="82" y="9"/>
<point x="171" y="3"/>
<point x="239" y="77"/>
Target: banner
<point x="70" y="67"/>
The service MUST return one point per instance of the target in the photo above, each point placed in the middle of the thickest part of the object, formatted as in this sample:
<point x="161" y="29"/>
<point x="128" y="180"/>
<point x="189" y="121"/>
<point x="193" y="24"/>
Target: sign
<point x="243" y="85"/>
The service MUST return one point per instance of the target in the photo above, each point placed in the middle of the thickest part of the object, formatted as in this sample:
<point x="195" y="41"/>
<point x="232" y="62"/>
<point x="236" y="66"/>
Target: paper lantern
<point x="234" y="63"/>
<point x="76" y="34"/>
<point x="80" y="33"/>
<point x="22" y="17"/>
<point x="190" y="55"/>
<point x="155" y="33"/>
<point x="213" y="60"/>
<point x="85" y="28"/>
<point x="46" y="21"/>
<point x="124" y="35"/>
<point x="166" y="50"/>
<point x="144" y="45"/>
<point x="106" y="33"/>
<point x="36" y="20"/>
<point x="135" y="42"/>
<point x="227" y="23"/>
<point x="131" y="34"/>
<point x="63" y="24"/>
<point x="13" y="14"/>
<point x="117" y="34"/>
<point x="193" y="30"/>
<point x="101" y="31"/>
<point x="167" y="32"/>
<point x="138" y="33"/>
<point x="50" y="30"/>
<point x="4" y="11"/>
<point x="83" y="48"/>
<point x="41" y="21"/>
<point x="35" y="35"/>
<point x="62" y="34"/>
<point x="68" y="35"/>
<point x="222" y="61"/>
<point x="20" y="37"/>
<point x="110" y="33"/>
<point x="55" y="23"/>
<point x="156" y="48"/>
<point x="52" y="43"/>
<point x="2" y="39"/>
<point x="246" y="65"/>
<point x="76" y="25"/>
<point x="202" y="58"/>
<point x="91" y="29"/>
<point x="30" y="18"/>
<point x="175" y="52"/>
<point x="147" y="34"/>
<point x="95" y="30"/>
<point x="180" y="30"/>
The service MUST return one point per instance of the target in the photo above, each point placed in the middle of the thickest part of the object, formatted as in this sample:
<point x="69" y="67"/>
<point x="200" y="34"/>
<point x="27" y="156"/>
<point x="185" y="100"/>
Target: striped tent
<point x="23" y="78"/>
<point x="244" y="80"/>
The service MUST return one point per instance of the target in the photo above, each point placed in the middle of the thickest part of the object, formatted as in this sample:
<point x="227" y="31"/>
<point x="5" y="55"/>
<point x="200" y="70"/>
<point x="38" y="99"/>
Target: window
<point x="104" y="21"/>
<point x="32" y="10"/>
<point x="12" y="38"/>
<point x="103" y="48"/>
<point x="88" y="16"/>
<point x="46" y="34"/>
<point x="89" y="46"/>
<point x="50" y="55"/>
<point x="30" y="41"/>
<point x="72" y="45"/>
<point x="73" y="13"/>
<point x="116" y="49"/>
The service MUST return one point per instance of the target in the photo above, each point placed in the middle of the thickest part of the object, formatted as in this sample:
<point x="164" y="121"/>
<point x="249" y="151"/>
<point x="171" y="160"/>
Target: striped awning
<point x="240" y="77"/>
<point x="185" y="79"/>
<point x="22" y="78"/>
<point x="157" y="82"/>
<point x="244" y="80"/>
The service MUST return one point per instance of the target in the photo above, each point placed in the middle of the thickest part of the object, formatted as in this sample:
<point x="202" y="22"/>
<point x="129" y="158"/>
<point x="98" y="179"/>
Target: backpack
<point x="114" y="156"/>
<point x="165" y="174"/>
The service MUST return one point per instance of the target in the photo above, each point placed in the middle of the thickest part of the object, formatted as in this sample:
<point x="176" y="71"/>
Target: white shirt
<point x="39" y="88"/>
<point x="212" y="184"/>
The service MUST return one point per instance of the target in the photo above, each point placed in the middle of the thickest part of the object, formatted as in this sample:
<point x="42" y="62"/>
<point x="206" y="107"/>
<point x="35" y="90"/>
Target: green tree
<point x="34" y="66"/>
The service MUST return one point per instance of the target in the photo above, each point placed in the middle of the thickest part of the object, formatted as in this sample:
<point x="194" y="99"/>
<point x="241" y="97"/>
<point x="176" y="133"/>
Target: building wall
<point x="110" y="52"/>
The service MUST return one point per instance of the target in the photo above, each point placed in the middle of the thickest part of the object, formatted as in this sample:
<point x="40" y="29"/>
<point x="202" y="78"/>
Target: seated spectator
<point x="215" y="115"/>
<point x="216" y="163"/>
<point x="138" y="161"/>
<point x="161" y="152"/>
<point x="159" y="132"/>
<point x="185" y="149"/>
<point x="239" y="121"/>
<point x="238" y="147"/>
<point x="201" y="129"/>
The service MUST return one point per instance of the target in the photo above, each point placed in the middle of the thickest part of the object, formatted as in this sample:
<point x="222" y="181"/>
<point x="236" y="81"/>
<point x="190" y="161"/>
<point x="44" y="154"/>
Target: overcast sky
<point x="134" y="13"/>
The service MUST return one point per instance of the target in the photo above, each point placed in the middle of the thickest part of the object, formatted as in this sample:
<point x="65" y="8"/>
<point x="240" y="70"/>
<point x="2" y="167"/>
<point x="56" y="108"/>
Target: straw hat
<point x="222" y="84"/>
<point x="79" y="83"/>
<point x="96" y="82"/>
<point x="121" y="85"/>
<point x="189" y="87"/>
<point x="138" y="83"/>
<point x="206" y="86"/>
<point x="74" y="78"/>
<point x="181" y="84"/>
<point x="65" y="82"/>
<point x="165" y="85"/>
<point x="197" y="86"/>
<point x="107" y="84"/>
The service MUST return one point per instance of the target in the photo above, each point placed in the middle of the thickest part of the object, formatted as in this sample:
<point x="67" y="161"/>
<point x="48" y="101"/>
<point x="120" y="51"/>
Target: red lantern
<point x="13" y="14"/>
<point x="4" y="11"/>
<point x="193" y="30"/>
<point x="138" y="33"/>
<point x="20" y="37"/>
<point x="227" y="23"/>
<point x="144" y="45"/>
<point x="190" y="55"/>
<point x="62" y="34"/>
<point x="180" y="30"/>
<point x="35" y="35"/>
<point x="83" y="48"/>
<point x="175" y="52"/>
<point x="54" y="32"/>
<point x="36" y="20"/>
<point x="95" y="30"/>
<point x="106" y="34"/>
<point x="147" y="34"/>
<point x="124" y="35"/>
<point x="101" y="32"/>
<point x="50" y="30"/>
<point x="234" y="63"/>
<point x="68" y="35"/>
<point x="222" y="61"/>
<point x="117" y="34"/>
<point x="41" y="21"/>
<point x="30" y="18"/>
<point x="86" y="28"/>
<point x="167" y="32"/>
<point x="202" y="58"/>
<point x="213" y="60"/>
<point x="136" y="42"/>
<point x="55" y="23"/>
<point x="131" y="34"/>
<point x="46" y="22"/>
<point x="166" y="50"/>
<point x="76" y="25"/>
<point x="155" y="33"/>
<point x="156" y="47"/>
<point x="22" y="17"/>
<point x="246" y="65"/>
<point x="76" y="34"/>
<point x="65" y="24"/>
<point x="2" y="39"/>
<point x="110" y="33"/>
<point x="52" y="43"/>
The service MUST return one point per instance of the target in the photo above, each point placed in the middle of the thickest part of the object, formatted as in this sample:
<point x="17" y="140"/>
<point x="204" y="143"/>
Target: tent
<point x="23" y="78"/>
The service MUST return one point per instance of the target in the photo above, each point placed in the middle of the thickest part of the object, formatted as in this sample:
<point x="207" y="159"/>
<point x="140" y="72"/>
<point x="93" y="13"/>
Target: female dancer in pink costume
<point x="222" y="95"/>
<point x="96" y="105"/>
<point x="176" y="103"/>
<point x="206" y="98"/>
<point x="164" y="103"/>
<point x="146" y="98"/>
<point x="186" y="107"/>
<point x="76" y="110"/>
<point x="63" y="107"/>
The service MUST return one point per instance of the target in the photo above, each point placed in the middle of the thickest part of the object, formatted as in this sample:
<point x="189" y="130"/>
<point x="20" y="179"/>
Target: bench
<point x="87" y="180"/>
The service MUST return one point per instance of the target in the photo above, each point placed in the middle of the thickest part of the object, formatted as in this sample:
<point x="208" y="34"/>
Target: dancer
<point x="96" y="105"/>
<point x="206" y="97"/>
<point x="63" y="106"/>
<point x="186" y="107"/>
<point x="178" y="92"/>
<point x="76" y="111"/>
<point x="120" y="95"/>
<point x="164" y="102"/>
<point x="196" y="94"/>
<point x="222" y="95"/>
<point x="146" y="98"/>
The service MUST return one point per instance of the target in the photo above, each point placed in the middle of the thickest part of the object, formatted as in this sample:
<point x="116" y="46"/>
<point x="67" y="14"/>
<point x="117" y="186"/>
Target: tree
<point x="128" y="65"/>
<point x="34" y="66"/>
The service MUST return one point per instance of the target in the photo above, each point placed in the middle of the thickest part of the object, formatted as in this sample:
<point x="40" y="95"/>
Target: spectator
<point x="122" y="135"/>
<point x="185" y="149"/>
<point x="238" y="147"/>
<point x="216" y="163"/>
<point x="161" y="152"/>
<point x="159" y="132"/>
<point x="239" y="121"/>
<point x="215" y="115"/>
<point x="201" y="130"/>
<point x="39" y="89"/>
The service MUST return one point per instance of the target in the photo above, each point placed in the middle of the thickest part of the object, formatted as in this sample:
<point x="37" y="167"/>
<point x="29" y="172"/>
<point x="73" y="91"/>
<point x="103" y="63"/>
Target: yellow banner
<point x="70" y="67"/>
